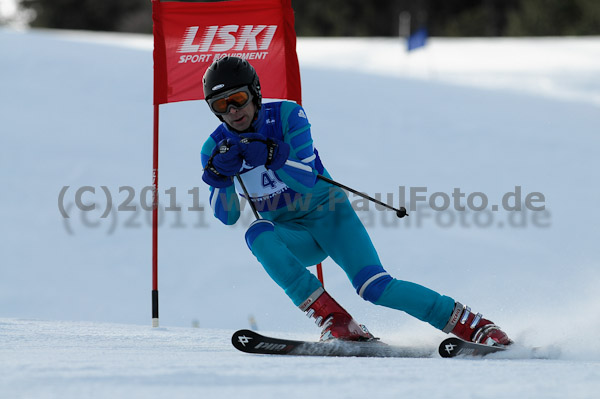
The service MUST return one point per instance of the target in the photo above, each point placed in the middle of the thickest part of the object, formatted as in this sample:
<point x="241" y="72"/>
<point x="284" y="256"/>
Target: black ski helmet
<point x="230" y="73"/>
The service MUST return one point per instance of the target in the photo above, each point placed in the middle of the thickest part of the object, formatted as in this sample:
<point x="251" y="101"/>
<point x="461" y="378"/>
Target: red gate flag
<point x="188" y="37"/>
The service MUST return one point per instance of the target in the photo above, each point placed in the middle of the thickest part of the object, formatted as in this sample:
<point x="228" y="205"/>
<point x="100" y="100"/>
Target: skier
<point x="303" y="218"/>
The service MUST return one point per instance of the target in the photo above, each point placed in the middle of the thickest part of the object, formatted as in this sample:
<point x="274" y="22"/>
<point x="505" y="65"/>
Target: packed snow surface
<point x="487" y="116"/>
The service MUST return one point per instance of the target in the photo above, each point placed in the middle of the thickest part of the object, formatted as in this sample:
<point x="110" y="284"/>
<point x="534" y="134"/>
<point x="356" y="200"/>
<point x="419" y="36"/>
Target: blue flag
<point x="417" y="39"/>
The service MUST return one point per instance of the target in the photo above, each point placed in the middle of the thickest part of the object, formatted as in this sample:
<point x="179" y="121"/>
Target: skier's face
<point x="240" y="118"/>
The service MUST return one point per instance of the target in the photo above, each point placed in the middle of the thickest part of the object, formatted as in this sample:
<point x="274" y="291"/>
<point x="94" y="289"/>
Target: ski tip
<point x="449" y="347"/>
<point x="452" y="347"/>
<point x="240" y="339"/>
<point x="244" y="331"/>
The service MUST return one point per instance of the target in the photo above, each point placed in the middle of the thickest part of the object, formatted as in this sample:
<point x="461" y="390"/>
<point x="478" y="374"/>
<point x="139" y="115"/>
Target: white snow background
<point x="482" y="115"/>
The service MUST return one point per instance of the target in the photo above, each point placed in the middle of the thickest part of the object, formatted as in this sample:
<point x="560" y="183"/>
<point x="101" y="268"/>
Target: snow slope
<point x="99" y="360"/>
<point x="479" y="115"/>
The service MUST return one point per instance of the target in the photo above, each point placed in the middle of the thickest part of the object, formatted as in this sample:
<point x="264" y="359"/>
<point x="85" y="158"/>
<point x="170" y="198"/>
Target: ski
<point x="452" y="347"/>
<point x="249" y="341"/>
<point x="252" y="342"/>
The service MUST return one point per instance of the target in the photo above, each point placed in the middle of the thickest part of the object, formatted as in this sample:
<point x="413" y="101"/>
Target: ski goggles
<point x="237" y="98"/>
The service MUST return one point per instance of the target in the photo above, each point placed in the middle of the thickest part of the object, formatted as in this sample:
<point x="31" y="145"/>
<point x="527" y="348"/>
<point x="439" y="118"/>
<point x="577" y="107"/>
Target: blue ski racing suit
<point x="305" y="220"/>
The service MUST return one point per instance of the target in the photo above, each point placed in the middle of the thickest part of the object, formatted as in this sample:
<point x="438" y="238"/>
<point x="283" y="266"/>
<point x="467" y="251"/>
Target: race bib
<point x="261" y="183"/>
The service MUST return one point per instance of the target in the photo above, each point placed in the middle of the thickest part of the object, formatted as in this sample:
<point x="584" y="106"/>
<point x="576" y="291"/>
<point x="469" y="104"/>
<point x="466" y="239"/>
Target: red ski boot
<point x="473" y="327"/>
<point x="334" y="319"/>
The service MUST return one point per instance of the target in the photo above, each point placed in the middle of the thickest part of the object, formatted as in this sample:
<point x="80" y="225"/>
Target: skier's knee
<point x="257" y="228"/>
<point x="370" y="282"/>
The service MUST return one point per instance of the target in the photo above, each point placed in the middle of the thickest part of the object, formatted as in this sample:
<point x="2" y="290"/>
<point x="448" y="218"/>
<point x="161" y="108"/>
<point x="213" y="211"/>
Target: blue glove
<point x="225" y="161"/>
<point x="216" y="181"/>
<point x="258" y="150"/>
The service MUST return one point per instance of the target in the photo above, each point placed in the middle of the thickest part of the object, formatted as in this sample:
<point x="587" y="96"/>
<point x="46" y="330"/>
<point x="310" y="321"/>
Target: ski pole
<point x="399" y="212"/>
<point x="252" y="206"/>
